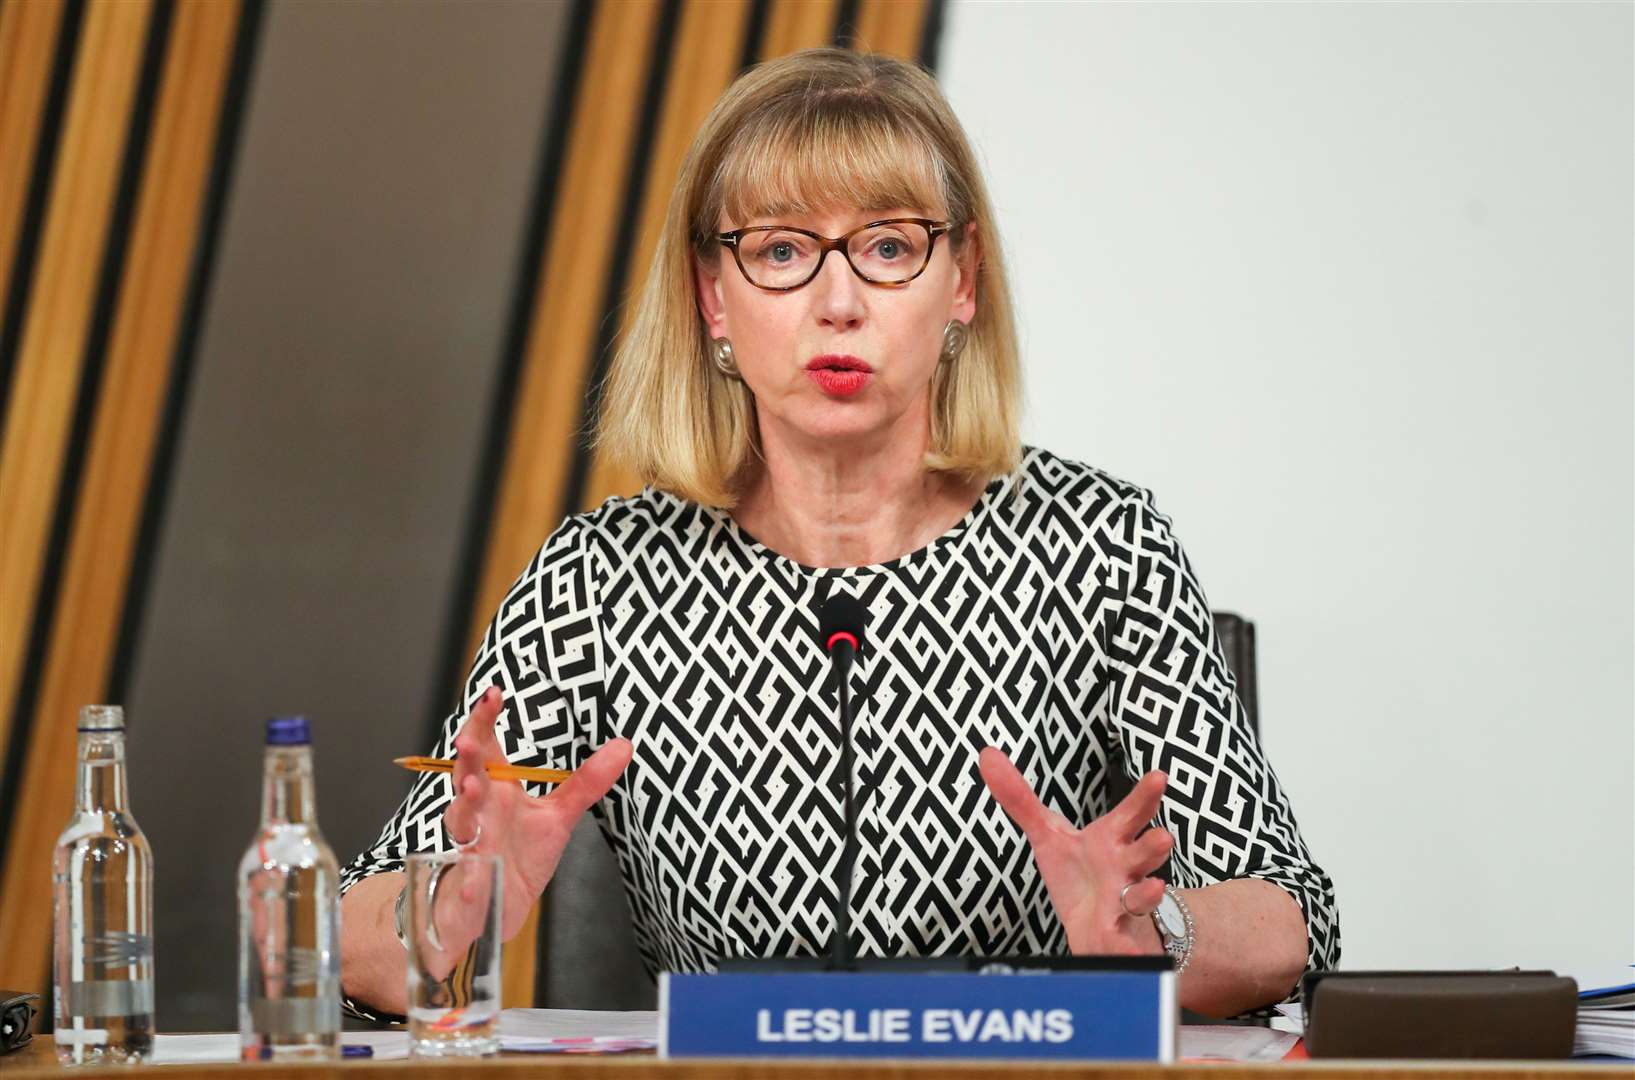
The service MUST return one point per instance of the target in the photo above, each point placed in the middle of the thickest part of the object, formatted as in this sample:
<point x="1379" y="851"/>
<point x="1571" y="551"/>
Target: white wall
<point x="1350" y="286"/>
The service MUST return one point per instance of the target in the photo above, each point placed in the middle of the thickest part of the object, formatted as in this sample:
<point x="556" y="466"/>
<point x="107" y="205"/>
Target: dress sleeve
<point x="540" y="649"/>
<point x="1176" y="708"/>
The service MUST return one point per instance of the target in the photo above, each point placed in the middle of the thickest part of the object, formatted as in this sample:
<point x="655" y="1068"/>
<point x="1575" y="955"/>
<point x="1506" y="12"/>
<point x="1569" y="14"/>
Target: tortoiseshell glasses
<point x="779" y="258"/>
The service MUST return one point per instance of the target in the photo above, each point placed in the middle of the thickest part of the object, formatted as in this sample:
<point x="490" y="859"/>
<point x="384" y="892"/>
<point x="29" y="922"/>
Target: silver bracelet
<point x="400" y="908"/>
<point x="1184" y="955"/>
<point x="400" y="913"/>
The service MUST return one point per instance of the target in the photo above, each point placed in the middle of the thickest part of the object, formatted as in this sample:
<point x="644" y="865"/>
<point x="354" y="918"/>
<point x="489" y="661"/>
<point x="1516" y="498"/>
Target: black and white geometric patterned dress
<point x="1059" y="621"/>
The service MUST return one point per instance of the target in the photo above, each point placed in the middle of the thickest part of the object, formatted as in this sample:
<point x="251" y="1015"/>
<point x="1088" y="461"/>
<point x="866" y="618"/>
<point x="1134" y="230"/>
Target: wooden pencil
<point x="495" y="770"/>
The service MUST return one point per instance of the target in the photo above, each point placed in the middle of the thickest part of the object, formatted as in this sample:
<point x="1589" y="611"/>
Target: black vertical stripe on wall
<point x="844" y="34"/>
<point x="931" y="33"/>
<point x="478" y="513"/>
<point x="46" y="143"/>
<point x="754" y="33"/>
<point x="229" y="124"/>
<point x="93" y="363"/>
<point x="635" y="188"/>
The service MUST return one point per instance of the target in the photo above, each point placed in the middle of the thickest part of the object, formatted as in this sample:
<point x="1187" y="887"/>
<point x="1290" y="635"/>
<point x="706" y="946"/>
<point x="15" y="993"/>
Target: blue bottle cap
<point x="288" y="731"/>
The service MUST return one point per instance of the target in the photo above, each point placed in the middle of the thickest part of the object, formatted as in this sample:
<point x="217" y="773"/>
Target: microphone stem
<point x="840" y="955"/>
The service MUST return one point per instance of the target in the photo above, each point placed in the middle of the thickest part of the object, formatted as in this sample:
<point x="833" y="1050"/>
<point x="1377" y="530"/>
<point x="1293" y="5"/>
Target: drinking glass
<point x="453" y="929"/>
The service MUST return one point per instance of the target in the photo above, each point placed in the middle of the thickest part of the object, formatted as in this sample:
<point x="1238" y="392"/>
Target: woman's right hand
<point x="528" y="833"/>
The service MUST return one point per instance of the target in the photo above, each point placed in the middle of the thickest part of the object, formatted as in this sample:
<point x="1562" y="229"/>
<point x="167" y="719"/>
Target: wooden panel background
<point x="51" y="350"/>
<point x="28" y="44"/>
<point x="117" y="124"/>
<point x="107" y="294"/>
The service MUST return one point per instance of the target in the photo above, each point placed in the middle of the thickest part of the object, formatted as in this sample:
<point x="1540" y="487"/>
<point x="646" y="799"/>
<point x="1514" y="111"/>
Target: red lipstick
<point x="839" y="375"/>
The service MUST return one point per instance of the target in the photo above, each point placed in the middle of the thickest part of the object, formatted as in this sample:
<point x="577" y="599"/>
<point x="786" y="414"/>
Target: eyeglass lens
<point x="885" y="254"/>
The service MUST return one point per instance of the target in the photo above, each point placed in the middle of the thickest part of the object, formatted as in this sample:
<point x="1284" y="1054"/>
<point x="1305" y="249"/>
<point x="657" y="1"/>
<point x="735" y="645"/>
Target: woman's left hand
<point x="1085" y="869"/>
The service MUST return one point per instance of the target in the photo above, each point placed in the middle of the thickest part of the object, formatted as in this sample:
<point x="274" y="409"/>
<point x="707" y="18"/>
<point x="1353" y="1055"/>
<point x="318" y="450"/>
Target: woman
<point x="821" y="390"/>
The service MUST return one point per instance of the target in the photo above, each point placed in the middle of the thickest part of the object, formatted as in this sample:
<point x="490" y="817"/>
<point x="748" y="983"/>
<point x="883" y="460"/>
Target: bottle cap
<point x="288" y="731"/>
<point x="102" y="718"/>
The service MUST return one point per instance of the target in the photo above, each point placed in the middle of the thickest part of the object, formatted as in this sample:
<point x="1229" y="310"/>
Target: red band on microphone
<point x="841" y="635"/>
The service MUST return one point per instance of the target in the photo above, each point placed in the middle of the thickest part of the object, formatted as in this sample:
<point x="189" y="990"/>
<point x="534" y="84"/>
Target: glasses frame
<point x="827" y="244"/>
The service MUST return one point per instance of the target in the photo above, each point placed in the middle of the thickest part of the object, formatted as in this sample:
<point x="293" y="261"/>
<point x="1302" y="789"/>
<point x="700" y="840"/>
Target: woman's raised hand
<point x="529" y="833"/>
<point x="1086" y="869"/>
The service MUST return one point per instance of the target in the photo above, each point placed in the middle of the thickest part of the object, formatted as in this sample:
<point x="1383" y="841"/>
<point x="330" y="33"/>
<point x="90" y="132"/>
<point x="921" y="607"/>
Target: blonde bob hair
<point x="813" y="131"/>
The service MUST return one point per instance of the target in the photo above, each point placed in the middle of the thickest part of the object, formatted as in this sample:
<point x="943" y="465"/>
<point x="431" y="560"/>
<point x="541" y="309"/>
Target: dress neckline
<point x="940" y="544"/>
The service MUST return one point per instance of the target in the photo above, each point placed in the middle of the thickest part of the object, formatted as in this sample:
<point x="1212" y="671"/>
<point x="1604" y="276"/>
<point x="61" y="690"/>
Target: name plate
<point x="1081" y="1015"/>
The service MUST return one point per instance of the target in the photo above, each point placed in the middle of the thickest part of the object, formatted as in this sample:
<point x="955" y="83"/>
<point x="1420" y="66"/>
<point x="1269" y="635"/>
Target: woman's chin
<point x="849" y="421"/>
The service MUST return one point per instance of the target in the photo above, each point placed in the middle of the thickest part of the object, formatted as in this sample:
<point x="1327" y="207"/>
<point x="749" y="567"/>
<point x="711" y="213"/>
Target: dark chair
<point x="588" y="947"/>
<point x="587" y="942"/>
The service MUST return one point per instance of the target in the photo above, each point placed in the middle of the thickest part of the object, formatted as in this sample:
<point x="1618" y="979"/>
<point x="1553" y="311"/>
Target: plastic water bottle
<point x="289" y="961"/>
<point x="102" y="878"/>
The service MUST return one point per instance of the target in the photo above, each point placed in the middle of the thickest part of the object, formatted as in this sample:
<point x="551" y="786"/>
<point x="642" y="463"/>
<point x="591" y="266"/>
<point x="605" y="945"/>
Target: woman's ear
<point x="707" y="282"/>
<point x="967" y="259"/>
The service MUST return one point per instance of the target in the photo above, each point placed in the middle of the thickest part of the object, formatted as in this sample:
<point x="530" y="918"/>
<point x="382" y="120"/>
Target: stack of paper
<point x="1606" y="1020"/>
<point x="213" y="1047"/>
<point x="1207" y="1042"/>
<point x="532" y="1031"/>
<point x="577" y="1031"/>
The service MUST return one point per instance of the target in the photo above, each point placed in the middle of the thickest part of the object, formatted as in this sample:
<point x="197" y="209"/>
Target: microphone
<point x="840" y="631"/>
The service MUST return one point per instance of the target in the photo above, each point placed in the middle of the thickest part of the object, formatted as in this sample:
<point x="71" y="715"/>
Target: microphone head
<point x="840" y="615"/>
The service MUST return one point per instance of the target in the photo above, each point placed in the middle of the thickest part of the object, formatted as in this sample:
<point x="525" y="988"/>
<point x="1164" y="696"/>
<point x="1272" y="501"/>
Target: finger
<point x="1149" y="850"/>
<point x="593" y="779"/>
<point x="1012" y="792"/>
<point x="1142" y="897"/>
<point x="476" y="744"/>
<point x="460" y="820"/>
<point x="491" y="706"/>
<point x="1139" y="807"/>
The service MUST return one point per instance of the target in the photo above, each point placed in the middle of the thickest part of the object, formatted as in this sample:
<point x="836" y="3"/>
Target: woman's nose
<point x="838" y="293"/>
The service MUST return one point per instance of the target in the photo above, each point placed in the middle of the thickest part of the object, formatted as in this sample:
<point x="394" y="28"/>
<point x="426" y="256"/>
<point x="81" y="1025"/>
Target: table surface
<point x="39" y="1060"/>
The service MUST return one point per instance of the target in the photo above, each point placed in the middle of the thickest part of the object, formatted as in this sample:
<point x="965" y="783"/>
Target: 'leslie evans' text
<point x="896" y="1025"/>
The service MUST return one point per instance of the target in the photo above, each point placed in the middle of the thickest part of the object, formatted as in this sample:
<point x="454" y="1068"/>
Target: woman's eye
<point x="777" y="252"/>
<point x="890" y="248"/>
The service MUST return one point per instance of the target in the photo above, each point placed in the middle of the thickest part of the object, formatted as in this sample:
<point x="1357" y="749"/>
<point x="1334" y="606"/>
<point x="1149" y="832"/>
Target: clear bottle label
<point x="111" y="997"/>
<point x="296" y="1016"/>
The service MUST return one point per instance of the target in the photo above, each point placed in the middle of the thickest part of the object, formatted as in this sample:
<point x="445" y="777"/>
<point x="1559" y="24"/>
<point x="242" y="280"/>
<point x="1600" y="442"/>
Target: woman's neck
<point x="849" y="503"/>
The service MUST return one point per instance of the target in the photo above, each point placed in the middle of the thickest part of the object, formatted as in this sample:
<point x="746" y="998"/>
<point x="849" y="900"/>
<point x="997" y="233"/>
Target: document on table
<point x="533" y="1031"/>
<point x="1606" y="1012"/>
<point x="1211" y="1042"/>
<point x="578" y="1030"/>
<point x="218" y="1047"/>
